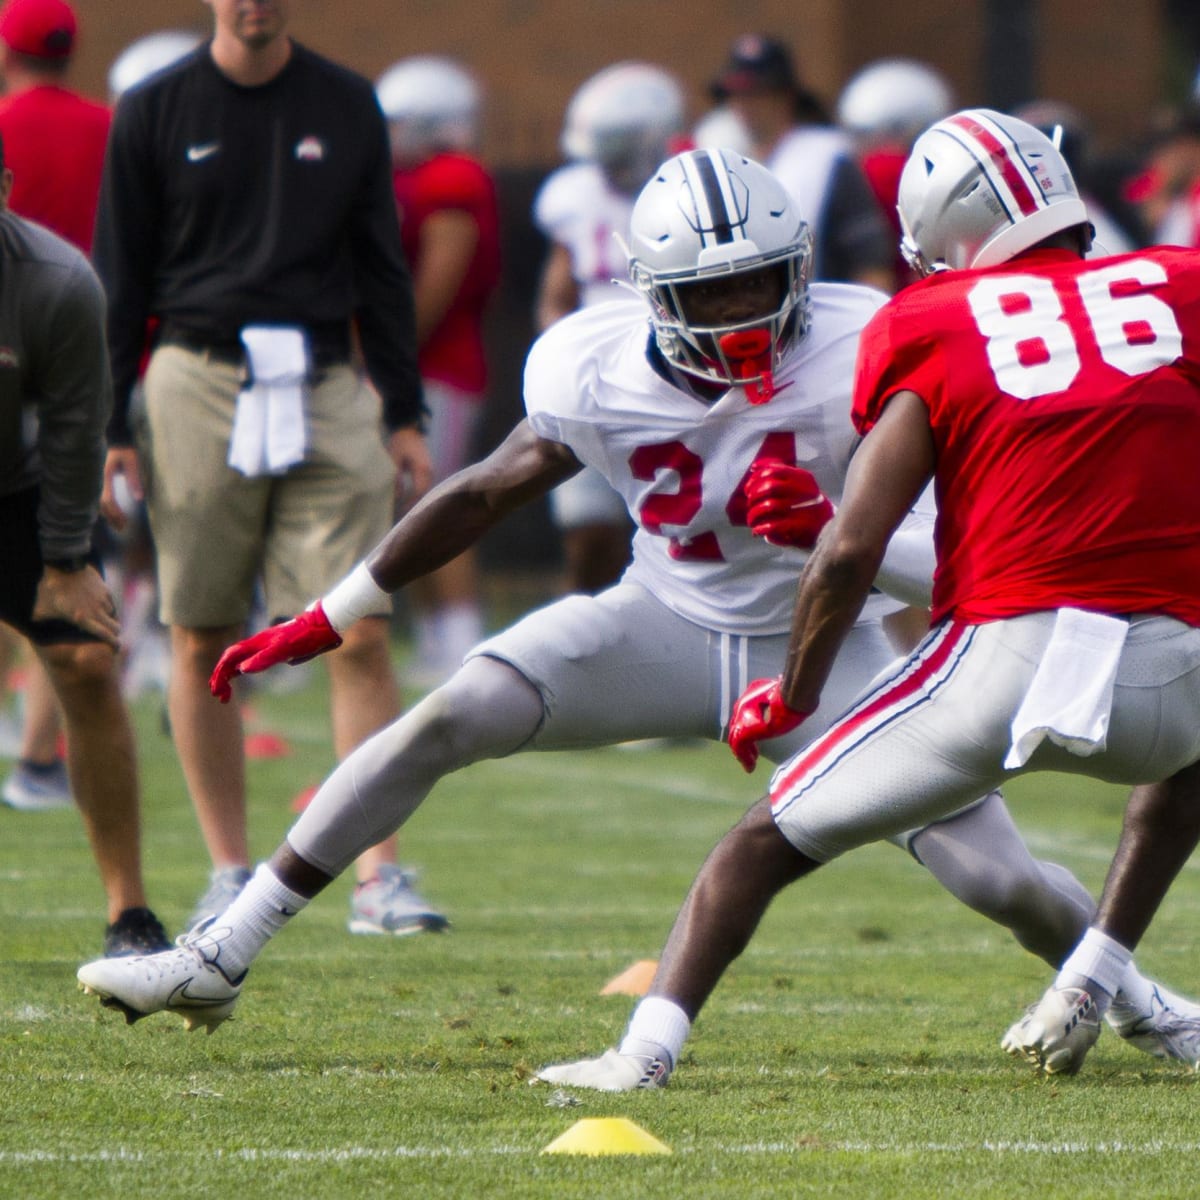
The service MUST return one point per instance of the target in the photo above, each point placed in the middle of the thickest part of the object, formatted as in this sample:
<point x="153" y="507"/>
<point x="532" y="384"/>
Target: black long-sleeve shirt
<point x="55" y="391"/>
<point x="224" y="205"/>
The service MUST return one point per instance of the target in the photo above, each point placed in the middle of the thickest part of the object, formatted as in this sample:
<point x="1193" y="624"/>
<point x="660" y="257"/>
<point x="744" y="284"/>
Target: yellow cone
<point x="633" y="981"/>
<point x="606" y="1135"/>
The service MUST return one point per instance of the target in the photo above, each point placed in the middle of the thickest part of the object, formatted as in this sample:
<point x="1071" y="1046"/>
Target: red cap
<point x="39" y="28"/>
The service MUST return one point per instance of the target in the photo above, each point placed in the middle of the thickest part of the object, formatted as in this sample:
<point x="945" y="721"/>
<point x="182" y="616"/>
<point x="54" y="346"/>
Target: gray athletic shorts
<point x="621" y="666"/>
<point x="934" y="729"/>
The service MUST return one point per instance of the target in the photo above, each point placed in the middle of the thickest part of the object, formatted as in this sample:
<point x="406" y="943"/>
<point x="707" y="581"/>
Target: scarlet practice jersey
<point x="1064" y="399"/>
<point x="680" y="463"/>
<point x="54" y="142"/>
<point x="453" y="352"/>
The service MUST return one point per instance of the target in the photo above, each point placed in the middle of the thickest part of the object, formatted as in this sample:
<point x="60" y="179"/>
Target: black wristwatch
<point x="73" y="563"/>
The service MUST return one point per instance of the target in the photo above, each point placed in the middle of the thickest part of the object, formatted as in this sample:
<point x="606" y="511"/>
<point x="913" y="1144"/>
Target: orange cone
<point x="633" y="981"/>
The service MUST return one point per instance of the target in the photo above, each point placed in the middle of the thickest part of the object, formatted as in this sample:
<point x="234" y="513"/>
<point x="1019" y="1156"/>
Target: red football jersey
<point x="1064" y="399"/>
<point x="453" y="353"/>
<point x="54" y="142"/>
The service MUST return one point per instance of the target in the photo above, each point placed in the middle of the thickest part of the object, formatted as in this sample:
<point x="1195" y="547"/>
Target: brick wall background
<point x="532" y="54"/>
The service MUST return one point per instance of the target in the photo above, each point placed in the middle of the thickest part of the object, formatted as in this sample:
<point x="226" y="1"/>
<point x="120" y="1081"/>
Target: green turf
<point x="852" y="1052"/>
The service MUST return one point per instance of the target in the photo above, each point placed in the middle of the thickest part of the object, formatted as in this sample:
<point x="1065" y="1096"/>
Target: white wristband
<point x="358" y="595"/>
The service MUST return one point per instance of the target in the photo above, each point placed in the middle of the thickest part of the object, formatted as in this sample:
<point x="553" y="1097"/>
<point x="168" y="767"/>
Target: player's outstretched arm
<point x="886" y="476"/>
<point x="448" y="520"/>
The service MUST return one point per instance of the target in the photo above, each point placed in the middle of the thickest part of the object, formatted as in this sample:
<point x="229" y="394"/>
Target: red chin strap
<point x="748" y="352"/>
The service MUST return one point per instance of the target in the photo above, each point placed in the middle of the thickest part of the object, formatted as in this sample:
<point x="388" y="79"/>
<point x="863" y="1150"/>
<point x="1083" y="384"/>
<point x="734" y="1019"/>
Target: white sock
<point x="263" y="907"/>
<point x="1135" y="999"/>
<point x="657" y="1029"/>
<point x="1097" y="962"/>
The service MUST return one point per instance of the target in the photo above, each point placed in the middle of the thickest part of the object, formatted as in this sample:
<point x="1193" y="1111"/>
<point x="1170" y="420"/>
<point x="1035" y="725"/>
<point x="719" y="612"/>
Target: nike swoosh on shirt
<point x="200" y="153"/>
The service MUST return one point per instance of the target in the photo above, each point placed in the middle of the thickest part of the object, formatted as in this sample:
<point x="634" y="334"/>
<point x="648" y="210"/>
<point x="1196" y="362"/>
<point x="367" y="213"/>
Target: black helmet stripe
<point x="715" y="223"/>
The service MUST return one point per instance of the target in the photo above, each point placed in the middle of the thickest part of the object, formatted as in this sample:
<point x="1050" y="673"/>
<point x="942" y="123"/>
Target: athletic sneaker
<point x="38" y="787"/>
<point x="1056" y="1033"/>
<point x="224" y="886"/>
<point x="187" y="980"/>
<point x="1171" y="1029"/>
<point x="611" y="1072"/>
<point x="389" y="904"/>
<point x="135" y="931"/>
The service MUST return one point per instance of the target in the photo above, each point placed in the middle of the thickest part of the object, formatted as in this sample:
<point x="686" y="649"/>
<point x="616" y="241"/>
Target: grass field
<point x="853" y="1051"/>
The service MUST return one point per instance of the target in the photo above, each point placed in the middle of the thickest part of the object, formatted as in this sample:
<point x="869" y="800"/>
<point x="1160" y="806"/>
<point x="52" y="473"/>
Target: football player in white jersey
<point x="618" y="127"/>
<point x="718" y="407"/>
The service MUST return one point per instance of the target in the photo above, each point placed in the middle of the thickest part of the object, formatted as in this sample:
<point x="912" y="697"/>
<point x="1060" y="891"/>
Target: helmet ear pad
<point x="981" y="187"/>
<point x="709" y="215"/>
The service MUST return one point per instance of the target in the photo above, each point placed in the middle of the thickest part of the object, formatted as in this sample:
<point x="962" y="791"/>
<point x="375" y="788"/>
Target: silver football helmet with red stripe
<point x="980" y="187"/>
<point x="712" y="215"/>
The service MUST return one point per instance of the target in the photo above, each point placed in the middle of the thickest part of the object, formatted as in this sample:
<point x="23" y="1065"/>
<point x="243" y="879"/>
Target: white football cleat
<point x="611" y="1072"/>
<point x="1056" y="1033"/>
<point x="187" y="980"/>
<point x="1171" y="1029"/>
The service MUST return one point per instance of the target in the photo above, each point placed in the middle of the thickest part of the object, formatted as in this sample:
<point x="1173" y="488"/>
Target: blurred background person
<point x="450" y="228"/>
<point x="791" y="133"/>
<point x="719" y="128"/>
<point x="1166" y="192"/>
<point x="619" y="126"/>
<point x="54" y="145"/>
<point x="883" y="108"/>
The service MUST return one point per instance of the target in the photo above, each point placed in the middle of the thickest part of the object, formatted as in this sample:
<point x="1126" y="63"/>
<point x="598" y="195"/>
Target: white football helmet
<point x="431" y="104"/>
<point x="979" y="188"/>
<point x="147" y="56"/>
<point x="624" y="119"/>
<point x="893" y="100"/>
<point x="713" y="214"/>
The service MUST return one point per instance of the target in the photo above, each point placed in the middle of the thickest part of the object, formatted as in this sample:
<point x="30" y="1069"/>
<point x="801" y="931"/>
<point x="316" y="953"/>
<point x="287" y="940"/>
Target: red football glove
<point x="785" y="505"/>
<point x="760" y="713"/>
<point x="293" y="642"/>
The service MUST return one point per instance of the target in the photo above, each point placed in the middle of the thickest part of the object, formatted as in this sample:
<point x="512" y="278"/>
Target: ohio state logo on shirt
<point x="310" y="149"/>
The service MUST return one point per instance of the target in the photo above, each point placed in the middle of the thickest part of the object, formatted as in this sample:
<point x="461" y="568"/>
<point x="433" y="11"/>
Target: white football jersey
<point x="680" y="463"/>
<point x="804" y="161"/>
<point x="578" y="208"/>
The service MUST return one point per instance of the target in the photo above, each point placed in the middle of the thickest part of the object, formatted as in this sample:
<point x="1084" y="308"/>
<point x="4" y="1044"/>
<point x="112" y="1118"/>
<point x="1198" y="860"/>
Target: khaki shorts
<point x="216" y="533"/>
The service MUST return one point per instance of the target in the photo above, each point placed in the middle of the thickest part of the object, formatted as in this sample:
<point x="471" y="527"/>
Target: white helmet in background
<point x="719" y="127"/>
<point x="893" y="100"/>
<point x="431" y="104"/>
<point x="625" y="119"/>
<point x="147" y="56"/>
<point x="709" y="214"/>
<point x="981" y="187"/>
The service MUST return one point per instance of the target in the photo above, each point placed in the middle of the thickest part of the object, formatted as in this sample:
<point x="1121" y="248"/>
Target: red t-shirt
<point x="54" y="142"/>
<point x="453" y="353"/>
<point x="1064" y="400"/>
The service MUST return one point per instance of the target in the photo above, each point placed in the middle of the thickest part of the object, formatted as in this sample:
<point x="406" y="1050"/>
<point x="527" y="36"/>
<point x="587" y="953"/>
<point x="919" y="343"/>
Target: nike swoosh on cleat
<point x="193" y="1001"/>
<point x="200" y="153"/>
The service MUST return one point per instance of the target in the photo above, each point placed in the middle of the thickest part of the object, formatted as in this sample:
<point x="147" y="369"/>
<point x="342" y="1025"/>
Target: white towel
<point x="269" y="434"/>
<point x="1070" y="697"/>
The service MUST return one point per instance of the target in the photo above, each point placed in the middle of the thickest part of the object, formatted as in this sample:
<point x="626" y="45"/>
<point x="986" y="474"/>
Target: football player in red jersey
<point x="1056" y="404"/>
<point x="450" y="227"/>
<point x="718" y="404"/>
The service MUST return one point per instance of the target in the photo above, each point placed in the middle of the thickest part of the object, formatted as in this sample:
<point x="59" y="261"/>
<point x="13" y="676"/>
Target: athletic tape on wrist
<point x="358" y="595"/>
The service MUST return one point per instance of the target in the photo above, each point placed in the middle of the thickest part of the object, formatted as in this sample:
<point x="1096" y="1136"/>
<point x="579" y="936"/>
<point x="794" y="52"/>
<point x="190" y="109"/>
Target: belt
<point x="325" y="353"/>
